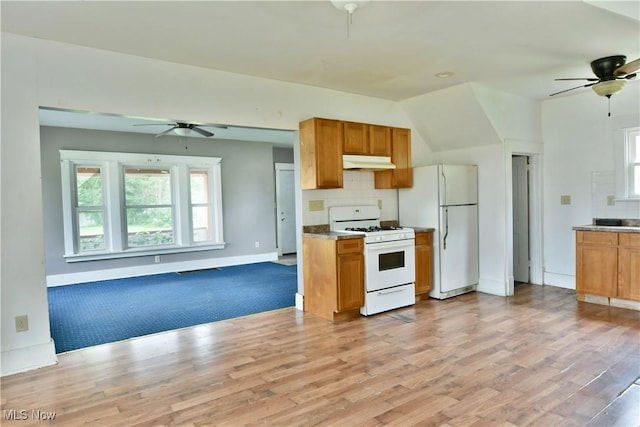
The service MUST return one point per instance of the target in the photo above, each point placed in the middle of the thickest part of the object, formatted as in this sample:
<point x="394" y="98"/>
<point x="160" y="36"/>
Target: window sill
<point x="138" y="252"/>
<point x="627" y="199"/>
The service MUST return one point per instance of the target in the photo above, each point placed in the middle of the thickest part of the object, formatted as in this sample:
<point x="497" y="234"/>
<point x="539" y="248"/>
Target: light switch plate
<point x="611" y="200"/>
<point x="565" y="200"/>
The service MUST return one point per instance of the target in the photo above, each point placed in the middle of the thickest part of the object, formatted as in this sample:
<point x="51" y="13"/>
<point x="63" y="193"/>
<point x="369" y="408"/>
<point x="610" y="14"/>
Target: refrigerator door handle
<point x="446" y="228"/>
<point x="444" y="187"/>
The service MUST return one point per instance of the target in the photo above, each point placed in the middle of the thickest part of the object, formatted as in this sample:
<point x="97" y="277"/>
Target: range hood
<point x="374" y="163"/>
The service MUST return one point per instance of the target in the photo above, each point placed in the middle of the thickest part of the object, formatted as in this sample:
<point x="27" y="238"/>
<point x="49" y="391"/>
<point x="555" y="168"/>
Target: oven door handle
<point x="391" y="291"/>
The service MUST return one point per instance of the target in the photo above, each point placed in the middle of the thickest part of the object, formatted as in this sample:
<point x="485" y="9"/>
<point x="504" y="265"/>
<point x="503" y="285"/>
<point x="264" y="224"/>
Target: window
<point x="632" y="142"/>
<point x="628" y="178"/>
<point x="121" y="204"/>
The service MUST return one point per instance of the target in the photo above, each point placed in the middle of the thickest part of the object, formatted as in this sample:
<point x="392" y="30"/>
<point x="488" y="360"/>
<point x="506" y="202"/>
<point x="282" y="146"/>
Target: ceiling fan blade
<point x="628" y="68"/>
<point x="591" y="79"/>
<point x="201" y="131"/>
<point x="577" y="87"/>
<point x="154" y="124"/>
<point x="165" y="132"/>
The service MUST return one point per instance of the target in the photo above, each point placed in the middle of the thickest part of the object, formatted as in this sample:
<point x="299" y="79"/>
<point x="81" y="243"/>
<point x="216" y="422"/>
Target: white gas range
<point x="389" y="257"/>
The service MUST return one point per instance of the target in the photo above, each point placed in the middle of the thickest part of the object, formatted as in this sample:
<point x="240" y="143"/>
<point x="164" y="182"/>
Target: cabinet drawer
<point x="349" y="246"/>
<point x="424" y="238"/>
<point x="597" y="237"/>
<point x="631" y="240"/>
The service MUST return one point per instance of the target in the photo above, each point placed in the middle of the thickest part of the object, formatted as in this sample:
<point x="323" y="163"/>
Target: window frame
<point x="631" y="136"/>
<point x="624" y="185"/>
<point x="112" y="167"/>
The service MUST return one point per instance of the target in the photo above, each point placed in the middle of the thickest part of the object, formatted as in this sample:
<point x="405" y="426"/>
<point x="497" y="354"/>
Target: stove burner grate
<point x="372" y="229"/>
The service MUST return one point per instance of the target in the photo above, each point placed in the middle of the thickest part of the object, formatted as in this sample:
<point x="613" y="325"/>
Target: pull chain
<point x="609" y="99"/>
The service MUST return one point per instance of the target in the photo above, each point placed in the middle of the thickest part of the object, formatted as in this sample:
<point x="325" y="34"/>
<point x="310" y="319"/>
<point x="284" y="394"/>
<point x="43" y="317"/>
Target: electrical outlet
<point x="257" y="244"/>
<point x="611" y="200"/>
<point x="565" y="200"/>
<point x="22" y="323"/>
<point x="379" y="204"/>
<point x="316" y="205"/>
<point x="157" y="259"/>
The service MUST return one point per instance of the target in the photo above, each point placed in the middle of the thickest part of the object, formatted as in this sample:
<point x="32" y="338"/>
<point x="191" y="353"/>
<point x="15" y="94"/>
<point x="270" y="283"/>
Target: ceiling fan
<point x="611" y="75"/>
<point x="183" y="129"/>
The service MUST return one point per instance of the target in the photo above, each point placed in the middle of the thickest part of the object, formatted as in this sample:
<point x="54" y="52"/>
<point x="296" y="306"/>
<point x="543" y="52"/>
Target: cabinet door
<point x="379" y="140"/>
<point x="596" y="263"/>
<point x="328" y="151"/>
<point x="401" y="157"/>
<point x="629" y="266"/>
<point x="424" y="268"/>
<point x="402" y="175"/>
<point x="350" y="281"/>
<point x="355" y="138"/>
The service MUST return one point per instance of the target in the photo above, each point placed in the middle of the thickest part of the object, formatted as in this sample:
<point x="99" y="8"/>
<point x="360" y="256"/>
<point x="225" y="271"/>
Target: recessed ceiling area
<point x="112" y="122"/>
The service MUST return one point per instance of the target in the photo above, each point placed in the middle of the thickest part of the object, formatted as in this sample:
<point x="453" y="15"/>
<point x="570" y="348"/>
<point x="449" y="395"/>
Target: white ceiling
<point x="393" y="49"/>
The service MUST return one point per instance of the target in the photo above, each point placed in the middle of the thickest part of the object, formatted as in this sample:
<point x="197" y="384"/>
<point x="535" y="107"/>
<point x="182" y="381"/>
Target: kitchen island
<point x="608" y="264"/>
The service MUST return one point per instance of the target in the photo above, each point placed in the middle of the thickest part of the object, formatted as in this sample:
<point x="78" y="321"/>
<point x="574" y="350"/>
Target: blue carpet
<point x="94" y="313"/>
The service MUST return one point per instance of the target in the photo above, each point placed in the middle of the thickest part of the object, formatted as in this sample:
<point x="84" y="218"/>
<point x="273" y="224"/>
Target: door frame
<point x="534" y="151"/>
<point x="518" y="198"/>
<point x="278" y="168"/>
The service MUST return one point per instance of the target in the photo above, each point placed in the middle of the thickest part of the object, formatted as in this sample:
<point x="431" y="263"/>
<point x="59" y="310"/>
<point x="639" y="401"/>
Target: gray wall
<point x="282" y="155"/>
<point x="248" y="192"/>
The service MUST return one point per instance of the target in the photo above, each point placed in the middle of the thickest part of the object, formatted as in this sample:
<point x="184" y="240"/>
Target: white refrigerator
<point x="445" y="197"/>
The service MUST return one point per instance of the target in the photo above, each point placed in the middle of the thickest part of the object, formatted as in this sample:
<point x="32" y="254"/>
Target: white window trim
<point x="624" y="183"/>
<point x="112" y="165"/>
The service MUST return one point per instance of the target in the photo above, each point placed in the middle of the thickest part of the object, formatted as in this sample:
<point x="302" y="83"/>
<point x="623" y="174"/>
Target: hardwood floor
<point x="539" y="358"/>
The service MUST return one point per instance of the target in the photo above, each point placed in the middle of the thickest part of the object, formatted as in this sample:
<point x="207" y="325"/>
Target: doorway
<point x="285" y="209"/>
<point x="521" y="194"/>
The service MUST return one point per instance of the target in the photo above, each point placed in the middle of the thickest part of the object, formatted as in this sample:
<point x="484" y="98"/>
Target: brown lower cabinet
<point x="424" y="262"/>
<point x="333" y="277"/>
<point x="608" y="264"/>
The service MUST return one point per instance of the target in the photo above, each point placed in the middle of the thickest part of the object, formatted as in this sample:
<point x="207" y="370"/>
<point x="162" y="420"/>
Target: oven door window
<point x="391" y="260"/>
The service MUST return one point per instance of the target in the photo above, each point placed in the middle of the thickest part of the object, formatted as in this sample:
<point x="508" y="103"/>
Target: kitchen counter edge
<point x="605" y="228"/>
<point x="421" y="229"/>
<point x="333" y="235"/>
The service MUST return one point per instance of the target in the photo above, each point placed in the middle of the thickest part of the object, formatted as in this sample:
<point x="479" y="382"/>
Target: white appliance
<point x="445" y="197"/>
<point x="389" y="257"/>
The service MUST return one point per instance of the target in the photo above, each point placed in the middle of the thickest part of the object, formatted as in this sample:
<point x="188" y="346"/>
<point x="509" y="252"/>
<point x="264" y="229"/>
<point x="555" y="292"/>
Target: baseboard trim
<point x="492" y="286"/>
<point x="146" y="270"/>
<point x="565" y="281"/>
<point x="299" y="302"/>
<point x="28" y="358"/>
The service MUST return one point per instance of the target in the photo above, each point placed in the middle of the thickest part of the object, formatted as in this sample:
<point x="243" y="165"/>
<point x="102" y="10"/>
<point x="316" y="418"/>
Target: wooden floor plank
<point x="539" y="358"/>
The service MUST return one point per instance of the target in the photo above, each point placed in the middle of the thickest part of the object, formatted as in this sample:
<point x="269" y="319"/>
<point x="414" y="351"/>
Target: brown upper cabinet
<point x="324" y="141"/>
<point x="365" y="139"/>
<point x="402" y="175"/>
<point x="321" y="153"/>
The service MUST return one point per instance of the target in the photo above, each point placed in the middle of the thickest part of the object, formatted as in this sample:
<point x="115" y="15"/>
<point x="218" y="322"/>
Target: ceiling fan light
<point x="608" y="87"/>
<point x="347" y="5"/>
<point x="182" y="131"/>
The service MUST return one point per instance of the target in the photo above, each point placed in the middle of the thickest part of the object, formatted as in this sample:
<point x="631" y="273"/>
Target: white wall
<point x="578" y="141"/>
<point x="41" y="73"/>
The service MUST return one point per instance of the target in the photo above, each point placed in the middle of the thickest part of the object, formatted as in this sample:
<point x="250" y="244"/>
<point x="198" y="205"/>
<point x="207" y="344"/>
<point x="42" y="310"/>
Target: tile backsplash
<point x="358" y="189"/>
<point x="603" y="202"/>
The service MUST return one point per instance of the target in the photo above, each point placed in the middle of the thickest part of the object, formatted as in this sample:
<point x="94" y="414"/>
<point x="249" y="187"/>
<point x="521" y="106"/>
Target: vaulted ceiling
<point x="390" y="49"/>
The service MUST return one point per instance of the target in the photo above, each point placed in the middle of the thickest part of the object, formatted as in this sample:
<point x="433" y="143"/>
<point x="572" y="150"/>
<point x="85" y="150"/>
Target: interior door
<point x="286" y="209"/>
<point x="520" y="219"/>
